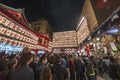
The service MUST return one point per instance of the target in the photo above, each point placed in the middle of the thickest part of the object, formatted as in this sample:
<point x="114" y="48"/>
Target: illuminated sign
<point x="5" y="47"/>
<point x="15" y="27"/>
<point x="65" y="39"/>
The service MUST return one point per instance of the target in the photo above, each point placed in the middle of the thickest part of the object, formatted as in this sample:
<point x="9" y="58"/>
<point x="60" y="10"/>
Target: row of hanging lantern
<point x="12" y="34"/>
<point x="15" y="35"/>
<point x="9" y="41"/>
<point x="11" y="25"/>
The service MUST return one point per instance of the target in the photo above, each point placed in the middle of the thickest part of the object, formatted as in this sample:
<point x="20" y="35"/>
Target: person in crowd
<point x="4" y="70"/>
<point x="101" y="66"/>
<point x="12" y="56"/>
<point x="23" y="72"/>
<point x="118" y="42"/>
<point x="114" y="68"/>
<point x="46" y="74"/>
<point x="2" y="61"/>
<point x="34" y="62"/>
<point x="118" y="59"/>
<point x="39" y="66"/>
<point x="58" y="71"/>
<point x="72" y="68"/>
<point x="63" y="61"/>
<point x="118" y="66"/>
<point x="80" y="69"/>
<point x="106" y="61"/>
<point x="94" y="62"/>
<point x="90" y="71"/>
<point x="11" y="66"/>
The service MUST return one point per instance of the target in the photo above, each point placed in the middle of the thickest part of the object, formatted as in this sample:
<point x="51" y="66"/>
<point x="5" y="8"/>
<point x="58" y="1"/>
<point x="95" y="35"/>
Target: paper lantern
<point x="18" y="43"/>
<point x="21" y="37"/>
<point x="6" y="23"/>
<point x="20" y="29"/>
<point x="16" y="28"/>
<point x="3" y="21"/>
<point x="4" y="40"/>
<point x="2" y="30"/>
<point x="12" y="25"/>
<point x="17" y="35"/>
<point x="15" y="43"/>
<point x="1" y="18"/>
<point x="8" y="32"/>
<point x="12" y="34"/>
<point x="10" y="41"/>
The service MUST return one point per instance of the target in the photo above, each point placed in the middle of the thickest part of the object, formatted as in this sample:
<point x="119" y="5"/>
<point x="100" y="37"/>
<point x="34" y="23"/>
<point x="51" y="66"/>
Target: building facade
<point x="88" y="13"/>
<point x="42" y="26"/>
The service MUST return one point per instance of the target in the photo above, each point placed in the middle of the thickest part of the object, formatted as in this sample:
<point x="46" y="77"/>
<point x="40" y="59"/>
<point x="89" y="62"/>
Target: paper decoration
<point x="98" y="45"/>
<point x="8" y="32"/>
<point x="4" y="40"/>
<point x="20" y="29"/>
<point x="11" y="26"/>
<point x="6" y="23"/>
<point x="105" y="50"/>
<point x="2" y="30"/>
<point x="1" y="19"/>
<point x="10" y="41"/>
<point x="23" y="31"/>
<point x="12" y="34"/>
<point x="17" y="36"/>
<point x="14" y="43"/>
<point x="16" y="28"/>
<point x="21" y="37"/>
<point x="114" y="48"/>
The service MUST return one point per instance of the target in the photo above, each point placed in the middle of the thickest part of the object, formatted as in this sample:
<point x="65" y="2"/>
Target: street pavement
<point x="105" y="77"/>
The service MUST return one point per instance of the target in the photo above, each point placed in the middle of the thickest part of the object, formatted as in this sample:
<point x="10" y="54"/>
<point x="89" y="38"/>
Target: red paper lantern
<point x="5" y="40"/>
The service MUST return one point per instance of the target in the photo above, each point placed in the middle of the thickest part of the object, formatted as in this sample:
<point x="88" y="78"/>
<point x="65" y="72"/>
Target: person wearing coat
<point x="23" y="72"/>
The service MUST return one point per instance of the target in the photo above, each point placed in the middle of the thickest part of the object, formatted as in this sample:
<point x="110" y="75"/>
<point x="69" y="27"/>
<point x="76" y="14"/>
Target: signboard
<point x="5" y="47"/>
<point x="104" y="8"/>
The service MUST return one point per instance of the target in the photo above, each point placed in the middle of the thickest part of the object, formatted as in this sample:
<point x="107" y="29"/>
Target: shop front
<point x="106" y="39"/>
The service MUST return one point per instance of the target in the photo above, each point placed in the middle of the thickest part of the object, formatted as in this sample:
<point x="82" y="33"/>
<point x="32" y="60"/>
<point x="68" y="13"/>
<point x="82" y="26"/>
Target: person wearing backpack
<point x="58" y="71"/>
<point x="39" y="66"/>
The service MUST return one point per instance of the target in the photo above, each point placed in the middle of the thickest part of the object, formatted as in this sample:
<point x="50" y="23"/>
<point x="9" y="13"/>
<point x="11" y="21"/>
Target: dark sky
<point x="62" y="14"/>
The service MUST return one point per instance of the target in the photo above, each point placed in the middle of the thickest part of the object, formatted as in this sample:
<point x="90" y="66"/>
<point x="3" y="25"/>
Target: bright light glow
<point x="97" y="39"/>
<point x="91" y="43"/>
<point x="113" y="31"/>
<point x="41" y="52"/>
<point x="7" y="47"/>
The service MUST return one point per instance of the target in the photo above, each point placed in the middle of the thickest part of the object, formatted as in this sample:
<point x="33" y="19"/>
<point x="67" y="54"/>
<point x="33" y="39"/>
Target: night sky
<point x="61" y="14"/>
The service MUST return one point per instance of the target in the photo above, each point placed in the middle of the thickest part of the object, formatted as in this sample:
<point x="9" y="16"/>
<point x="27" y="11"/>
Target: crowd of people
<point x="27" y="66"/>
